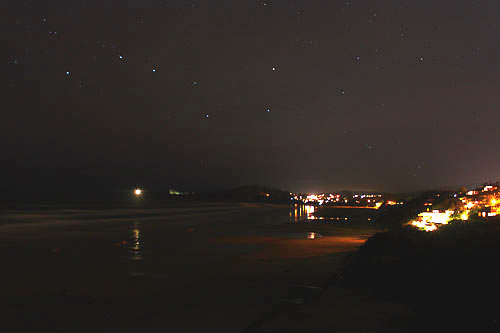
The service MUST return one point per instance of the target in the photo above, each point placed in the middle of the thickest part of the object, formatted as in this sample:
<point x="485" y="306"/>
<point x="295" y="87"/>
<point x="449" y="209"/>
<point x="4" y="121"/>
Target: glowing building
<point x="436" y="216"/>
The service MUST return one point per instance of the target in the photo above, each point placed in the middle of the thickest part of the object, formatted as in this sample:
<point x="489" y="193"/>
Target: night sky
<point x="301" y="95"/>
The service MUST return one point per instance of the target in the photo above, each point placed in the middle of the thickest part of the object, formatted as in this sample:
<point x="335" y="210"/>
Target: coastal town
<point x="438" y="208"/>
<point x="480" y="203"/>
<point x="346" y="199"/>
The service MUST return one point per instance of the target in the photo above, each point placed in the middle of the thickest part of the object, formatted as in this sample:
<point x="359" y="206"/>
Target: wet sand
<point x="214" y="267"/>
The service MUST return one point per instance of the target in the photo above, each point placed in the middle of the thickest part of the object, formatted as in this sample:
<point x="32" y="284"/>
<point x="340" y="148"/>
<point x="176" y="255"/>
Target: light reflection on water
<point x="304" y="213"/>
<point x="135" y="250"/>
<point x="300" y="213"/>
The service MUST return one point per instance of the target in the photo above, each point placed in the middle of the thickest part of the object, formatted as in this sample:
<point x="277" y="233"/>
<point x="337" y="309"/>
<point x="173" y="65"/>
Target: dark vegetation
<point x="451" y="276"/>
<point x="261" y="194"/>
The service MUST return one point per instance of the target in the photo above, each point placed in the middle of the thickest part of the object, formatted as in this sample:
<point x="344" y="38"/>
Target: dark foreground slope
<point x="451" y="276"/>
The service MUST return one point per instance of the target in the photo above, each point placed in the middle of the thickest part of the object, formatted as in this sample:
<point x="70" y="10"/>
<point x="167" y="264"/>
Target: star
<point x="121" y="57"/>
<point x="195" y="83"/>
<point x="274" y="69"/>
<point x="268" y="110"/>
<point x="206" y="116"/>
<point x="67" y="73"/>
<point x="421" y="59"/>
<point x="154" y="70"/>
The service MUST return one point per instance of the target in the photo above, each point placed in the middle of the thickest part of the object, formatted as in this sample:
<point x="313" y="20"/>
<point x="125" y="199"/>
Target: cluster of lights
<point x="489" y="188"/>
<point x="486" y="201"/>
<point x="367" y="196"/>
<point x="393" y="203"/>
<point x="424" y="226"/>
<point x="436" y="216"/>
<point x="371" y="200"/>
<point x="429" y="221"/>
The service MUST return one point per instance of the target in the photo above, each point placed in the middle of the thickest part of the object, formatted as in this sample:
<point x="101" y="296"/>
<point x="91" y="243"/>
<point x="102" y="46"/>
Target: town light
<point x="137" y="191"/>
<point x="431" y="227"/>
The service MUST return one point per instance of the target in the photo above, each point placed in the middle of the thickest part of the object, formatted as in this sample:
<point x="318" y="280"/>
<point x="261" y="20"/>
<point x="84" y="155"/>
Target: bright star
<point x="121" y="57"/>
<point x="67" y="72"/>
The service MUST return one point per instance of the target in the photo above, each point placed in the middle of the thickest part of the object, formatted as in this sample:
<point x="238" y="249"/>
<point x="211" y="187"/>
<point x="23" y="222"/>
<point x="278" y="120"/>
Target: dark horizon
<point x="157" y="195"/>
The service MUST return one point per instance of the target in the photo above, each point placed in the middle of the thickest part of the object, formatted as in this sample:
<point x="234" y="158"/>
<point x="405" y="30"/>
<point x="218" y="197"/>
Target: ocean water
<point x="184" y="266"/>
